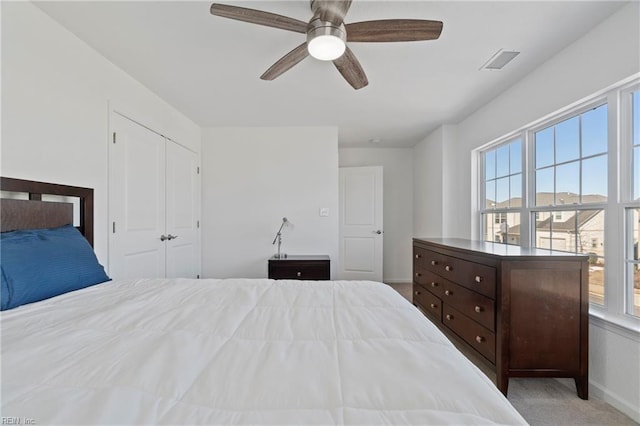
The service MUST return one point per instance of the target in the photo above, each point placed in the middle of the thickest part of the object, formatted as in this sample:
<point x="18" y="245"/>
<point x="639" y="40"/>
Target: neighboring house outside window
<point x="557" y="194"/>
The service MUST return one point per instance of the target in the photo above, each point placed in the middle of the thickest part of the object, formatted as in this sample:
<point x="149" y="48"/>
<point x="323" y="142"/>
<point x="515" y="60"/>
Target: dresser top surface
<point x="498" y="249"/>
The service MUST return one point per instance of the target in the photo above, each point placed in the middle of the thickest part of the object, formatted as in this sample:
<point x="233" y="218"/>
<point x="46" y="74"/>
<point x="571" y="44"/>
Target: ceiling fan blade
<point x="351" y="69"/>
<point x="389" y="30"/>
<point x="258" y="17"/>
<point x="287" y="62"/>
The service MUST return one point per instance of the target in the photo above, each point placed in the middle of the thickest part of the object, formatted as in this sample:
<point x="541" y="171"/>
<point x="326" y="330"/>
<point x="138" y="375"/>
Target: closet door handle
<point x="164" y="237"/>
<point x="171" y="237"/>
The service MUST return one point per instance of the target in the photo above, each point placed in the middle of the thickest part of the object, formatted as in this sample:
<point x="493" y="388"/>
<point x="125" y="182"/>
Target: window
<point x="571" y="158"/>
<point x="503" y="193"/>
<point x="632" y="211"/>
<point x="571" y="182"/>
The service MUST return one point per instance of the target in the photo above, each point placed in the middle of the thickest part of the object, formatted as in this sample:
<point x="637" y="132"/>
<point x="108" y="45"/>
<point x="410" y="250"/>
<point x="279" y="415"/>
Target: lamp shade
<point x="325" y="41"/>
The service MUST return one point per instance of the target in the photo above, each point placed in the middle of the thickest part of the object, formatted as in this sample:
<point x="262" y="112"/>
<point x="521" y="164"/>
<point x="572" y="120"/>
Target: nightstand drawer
<point x="300" y="268"/>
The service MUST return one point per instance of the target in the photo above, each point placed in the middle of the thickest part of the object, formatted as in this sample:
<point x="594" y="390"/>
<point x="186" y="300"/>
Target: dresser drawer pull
<point x="434" y="263"/>
<point x="299" y="274"/>
<point x="448" y="293"/>
<point x="418" y="256"/>
<point x="478" y="279"/>
<point x="478" y="309"/>
<point x="449" y="317"/>
<point x="433" y="306"/>
<point x="448" y="268"/>
<point x="417" y="292"/>
<point x="480" y="339"/>
<point x="418" y="274"/>
<point x="434" y="284"/>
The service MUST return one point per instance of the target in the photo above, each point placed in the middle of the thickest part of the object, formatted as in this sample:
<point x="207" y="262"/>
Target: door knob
<point x="377" y="232"/>
<point x="163" y="237"/>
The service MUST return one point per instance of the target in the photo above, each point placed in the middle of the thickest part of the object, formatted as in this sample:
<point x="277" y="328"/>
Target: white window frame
<point x="619" y="197"/>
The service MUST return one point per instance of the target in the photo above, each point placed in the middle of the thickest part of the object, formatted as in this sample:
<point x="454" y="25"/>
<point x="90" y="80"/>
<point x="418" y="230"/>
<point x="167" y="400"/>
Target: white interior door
<point x="361" y="232"/>
<point x="136" y="200"/>
<point x="183" y="249"/>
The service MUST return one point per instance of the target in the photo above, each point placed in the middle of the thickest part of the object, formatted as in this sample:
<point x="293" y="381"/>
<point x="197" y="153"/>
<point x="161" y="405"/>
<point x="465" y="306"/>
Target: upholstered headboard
<point x="35" y="213"/>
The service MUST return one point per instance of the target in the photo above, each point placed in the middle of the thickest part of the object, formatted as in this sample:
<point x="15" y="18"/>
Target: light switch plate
<point x="324" y="212"/>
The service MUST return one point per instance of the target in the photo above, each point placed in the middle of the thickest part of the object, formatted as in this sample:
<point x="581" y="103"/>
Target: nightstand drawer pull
<point x="299" y="274"/>
<point x="448" y="293"/>
<point x="434" y="284"/>
<point x="418" y="274"/>
<point x="478" y="309"/>
<point x="434" y="263"/>
<point x="480" y="339"/>
<point x="478" y="279"/>
<point x="449" y="317"/>
<point x="433" y="306"/>
<point x="448" y="268"/>
<point x="418" y="256"/>
<point x="417" y="292"/>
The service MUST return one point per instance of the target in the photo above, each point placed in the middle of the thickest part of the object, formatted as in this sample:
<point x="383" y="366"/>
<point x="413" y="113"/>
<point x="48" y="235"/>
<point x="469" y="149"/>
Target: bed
<point x="236" y="351"/>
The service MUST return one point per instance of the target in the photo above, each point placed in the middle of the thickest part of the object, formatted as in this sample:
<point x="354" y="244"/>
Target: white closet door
<point x="136" y="201"/>
<point x="183" y="250"/>
<point x="360" y="218"/>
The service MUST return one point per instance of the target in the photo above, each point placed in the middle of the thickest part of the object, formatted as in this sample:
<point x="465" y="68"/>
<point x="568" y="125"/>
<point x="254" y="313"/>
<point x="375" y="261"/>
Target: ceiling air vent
<point x="499" y="60"/>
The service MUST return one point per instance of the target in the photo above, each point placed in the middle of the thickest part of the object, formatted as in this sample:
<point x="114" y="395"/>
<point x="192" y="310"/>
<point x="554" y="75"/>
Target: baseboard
<point x="600" y="392"/>
<point x="397" y="281"/>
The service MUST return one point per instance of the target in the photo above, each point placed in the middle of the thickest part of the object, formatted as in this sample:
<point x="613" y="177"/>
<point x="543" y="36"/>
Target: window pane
<point x="544" y="147"/>
<point x="515" y="186"/>
<point x="502" y="161"/>
<point x="490" y="165"/>
<point x="512" y="229"/>
<point x="542" y="236"/>
<point x="515" y="153"/>
<point x="594" y="180"/>
<point x="490" y="194"/>
<point x="636" y="173"/>
<point x="567" y="183"/>
<point x="489" y="220"/>
<point x="594" y="131"/>
<point x="544" y="187"/>
<point x="568" y="140"/>
<point x="502" y="192"/>
<point x="633" y="271"/>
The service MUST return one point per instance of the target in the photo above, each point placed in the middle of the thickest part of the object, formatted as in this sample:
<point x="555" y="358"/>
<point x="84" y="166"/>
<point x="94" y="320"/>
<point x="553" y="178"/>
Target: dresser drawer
<point x="431" y="281"/>
<point x="476" y="306"/>
<point x="477" y="277"/>
<point x="429" y="303"/>
<point x="481" y="339"/>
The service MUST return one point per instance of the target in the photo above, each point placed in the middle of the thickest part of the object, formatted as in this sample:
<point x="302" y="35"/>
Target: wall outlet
<point x="324" y="212"/>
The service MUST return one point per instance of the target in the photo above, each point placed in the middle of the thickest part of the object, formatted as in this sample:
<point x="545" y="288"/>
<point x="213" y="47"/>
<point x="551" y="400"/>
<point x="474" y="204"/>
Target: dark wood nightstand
<point x="300" y="268"/>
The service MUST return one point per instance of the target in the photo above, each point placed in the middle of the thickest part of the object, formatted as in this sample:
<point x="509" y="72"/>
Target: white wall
<point x="606" y="55"/>
<point x="55" y="93"/>
<point x="252" y="177"/>
<point x="428" y="185"/>
<point x="398" y="204"/>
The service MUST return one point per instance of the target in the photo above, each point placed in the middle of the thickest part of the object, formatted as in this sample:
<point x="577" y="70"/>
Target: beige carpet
<point x="549" y="401"/>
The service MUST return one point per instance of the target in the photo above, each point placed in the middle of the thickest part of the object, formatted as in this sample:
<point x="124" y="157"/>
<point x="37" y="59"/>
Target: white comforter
<point x="238" y="351"/>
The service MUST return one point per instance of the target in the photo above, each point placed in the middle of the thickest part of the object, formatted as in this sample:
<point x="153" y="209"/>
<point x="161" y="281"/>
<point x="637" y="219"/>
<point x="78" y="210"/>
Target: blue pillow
<point x="37" y="264"/>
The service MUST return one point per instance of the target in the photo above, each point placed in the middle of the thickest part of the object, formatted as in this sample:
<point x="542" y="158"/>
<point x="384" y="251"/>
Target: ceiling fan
<point x="327" y="35"/>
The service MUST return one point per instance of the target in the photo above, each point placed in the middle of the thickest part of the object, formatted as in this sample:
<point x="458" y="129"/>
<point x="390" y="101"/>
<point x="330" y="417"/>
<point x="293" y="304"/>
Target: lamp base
<point x="280" y="256"/>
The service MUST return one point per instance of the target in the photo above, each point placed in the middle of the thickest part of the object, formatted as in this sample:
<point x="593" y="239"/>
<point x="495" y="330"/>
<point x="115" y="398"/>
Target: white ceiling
<point x="208" y="67"/>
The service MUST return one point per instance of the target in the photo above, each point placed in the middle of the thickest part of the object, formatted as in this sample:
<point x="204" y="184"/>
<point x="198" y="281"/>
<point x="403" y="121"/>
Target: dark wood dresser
<point x="523" y="311"/>
<point x="300" y="268"/>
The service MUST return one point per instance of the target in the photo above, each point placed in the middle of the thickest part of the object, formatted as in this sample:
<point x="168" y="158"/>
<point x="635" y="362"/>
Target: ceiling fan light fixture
<point x="325" y="41"/>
